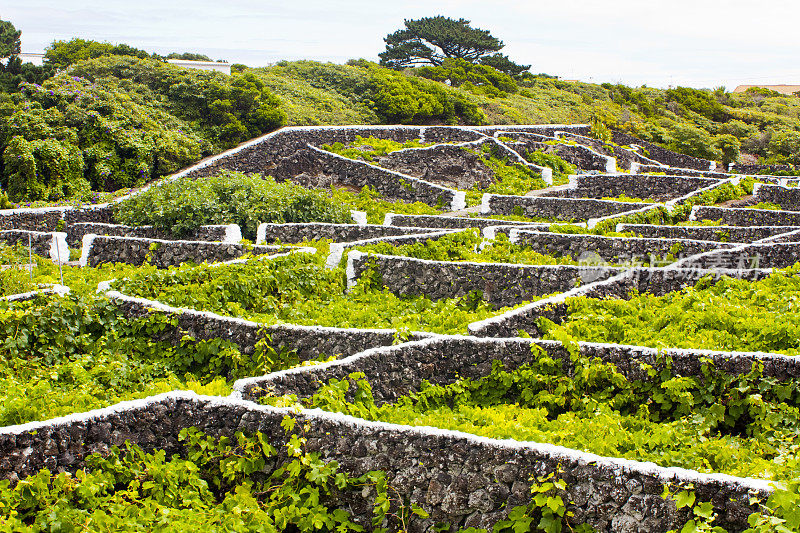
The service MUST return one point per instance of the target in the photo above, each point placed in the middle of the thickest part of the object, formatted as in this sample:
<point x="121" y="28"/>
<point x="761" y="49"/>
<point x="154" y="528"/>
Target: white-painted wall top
<point x="225" y="68"/>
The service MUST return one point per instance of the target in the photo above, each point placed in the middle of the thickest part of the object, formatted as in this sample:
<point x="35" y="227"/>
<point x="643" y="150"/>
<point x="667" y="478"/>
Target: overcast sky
<point x="699" y="43"/>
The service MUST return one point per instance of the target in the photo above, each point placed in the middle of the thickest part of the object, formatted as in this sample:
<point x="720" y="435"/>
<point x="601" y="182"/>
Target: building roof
<point x="783" y="89"/>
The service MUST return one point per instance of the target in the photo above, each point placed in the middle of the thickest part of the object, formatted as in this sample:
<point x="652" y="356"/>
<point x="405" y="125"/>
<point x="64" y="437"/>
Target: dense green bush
<point x="226" y="109"/>
<point x="61" y="54"/>
<point x="398" y="98"/>
<point x="68" y="135"/>
<point x="119" y="121"/>
<point x="483" y="79"/>
<point x="701" y="102"/>
<point x="182" y="205"/>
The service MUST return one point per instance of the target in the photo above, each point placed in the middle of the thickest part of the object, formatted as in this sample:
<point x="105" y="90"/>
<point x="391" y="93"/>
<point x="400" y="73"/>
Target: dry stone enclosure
<point x="661" y="232"/>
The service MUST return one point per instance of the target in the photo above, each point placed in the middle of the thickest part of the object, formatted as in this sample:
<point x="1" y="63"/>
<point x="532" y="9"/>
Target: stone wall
<point x="53" y="218"/>
<point x="745" y="234"/>
<point x="566" y="209"/>
<point x="458" y="166"/>
<point x="59" y="290"/>
<point x="450" y="222"/>
<point x="625" y="158"/>
<point x="397" y="371"/>
<point x="313" y="167"/>
<point x="400" y="370"/>
<point x="739" y="168"/>
<point x="441" y="134"/>
<point x="645" y="186"/>
<point x="99" y="249"/>
<point x="581" y="156"/>
<point x="501" y="284"/>
<point x="219" y="233"/>
<point x="298" y="232"/>
<point x="611" y="249"/>
<point x="770" y="255"/>
<point x="790" y="236"/>
<point x="786" y="197"/>
<point x="662" y="155"/>
<point x="677" y="171"/>
<point x="262" y="154"/>
<point x="656" y="281"/>
<point x="308" y="342"/>
<point x="51" y="245"/>
<point x="547" y="130"/>
<point x="336" y="250"/>
<point x="731" y="216"/>
<point x="457" y="478"/>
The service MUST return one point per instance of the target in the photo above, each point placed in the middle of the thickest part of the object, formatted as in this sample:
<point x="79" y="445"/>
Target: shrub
<point x="226" y="109"/>
<point x="62" y="54"/>
<point x="68" y="134"/>
<point x="459" y="71"/>
<point x="730" y="147"/>
<point x="182" y="205"/>
<point x="397" y="98"/>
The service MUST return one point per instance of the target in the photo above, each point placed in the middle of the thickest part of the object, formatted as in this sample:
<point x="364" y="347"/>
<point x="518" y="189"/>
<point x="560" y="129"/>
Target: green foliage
<point x="599" y="130"/>
<point x="671" y="420"/>
<point x="765" y="205"/>
<point x="12" y="70"/>
<point x="502" y="63"/>
<point x="780" y="514"/>
<point x="561" y="168"/>
<point x="61" y="137"/>
<point x="370" y="201"/>
<point x="547" y="511"/>
<point x="784" y="147"/>
<point x="468" y="245"/>
<point x="9" y="39"/>
<point x="730" y="147"/>
<point x="15" y="277"/>
<point x="189" y="56"/>
<point x="227" y="109"/>
<point x="731" y="314"/>
<point x="368" y="148"/>
<point x="690" y="140"/>
<point x="61" y="54"/>
<point x="400" y="99"/>
<point x="761" y="91"/>
<point x="430" y="40"/>
<point x="181" y="206"/>
<point x="481" y="79"/>
<point x="62" y="355"/>
<point x="701" y="102"/>
<point x="298" y="289"/>
<point x="224" y="484"/>
<point x="43" y="169"/>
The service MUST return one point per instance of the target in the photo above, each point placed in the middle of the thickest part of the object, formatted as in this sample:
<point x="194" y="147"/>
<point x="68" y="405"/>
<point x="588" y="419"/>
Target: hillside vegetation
<point x="118" y="121"/>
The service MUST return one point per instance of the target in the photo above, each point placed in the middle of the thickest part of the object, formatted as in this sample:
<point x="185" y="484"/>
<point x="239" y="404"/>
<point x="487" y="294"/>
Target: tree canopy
<point x="429" y="40"/>
<point x="9" y="39"/>
<point x="62" y="54"/>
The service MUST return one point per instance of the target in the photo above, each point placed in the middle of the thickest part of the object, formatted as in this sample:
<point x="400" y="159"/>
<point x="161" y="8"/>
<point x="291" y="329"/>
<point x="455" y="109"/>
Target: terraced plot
<point x="400" y="390"/>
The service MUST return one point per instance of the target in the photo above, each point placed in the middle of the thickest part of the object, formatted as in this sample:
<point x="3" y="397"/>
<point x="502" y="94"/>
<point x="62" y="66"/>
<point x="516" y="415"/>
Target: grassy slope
<point x="325" y="93"/>
<point x="314" y="93"/>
